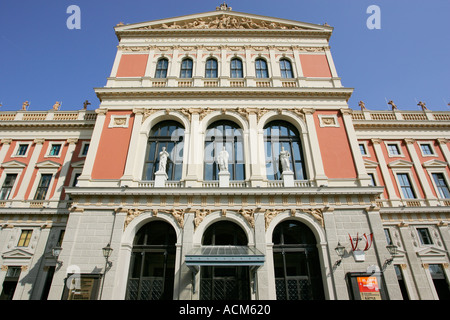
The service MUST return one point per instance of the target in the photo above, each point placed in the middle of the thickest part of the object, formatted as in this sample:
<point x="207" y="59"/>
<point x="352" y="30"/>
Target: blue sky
<point x="408" y="59"/>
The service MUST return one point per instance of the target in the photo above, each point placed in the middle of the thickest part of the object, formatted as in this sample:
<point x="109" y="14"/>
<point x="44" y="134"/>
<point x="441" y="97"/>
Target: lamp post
<point x="56" y="251"/>
<point x="392" y="248"/>
<point x="106" y="254"/>
<point x="340" y="251"/>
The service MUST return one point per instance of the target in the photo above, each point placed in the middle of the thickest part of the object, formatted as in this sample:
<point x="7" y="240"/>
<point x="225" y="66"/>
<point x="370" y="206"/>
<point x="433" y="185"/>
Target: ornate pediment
<point x="400" y="164"/>
<point x="220" y="20"/>
<point x="17" y="254"/>
<point x="48" y="164"/>
<point x="435" y="164"/>
<point x="14" y="164"/>
<point x="431" y="252"/>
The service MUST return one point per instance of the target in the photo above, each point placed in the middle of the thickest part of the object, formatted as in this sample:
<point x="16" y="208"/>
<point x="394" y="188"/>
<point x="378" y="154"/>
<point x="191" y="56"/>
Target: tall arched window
<point x="236" y="68"/>
<point x="161" y="68"/>
<point x="224" y="282"/>
<point x="261" y="68"/>
<point x="296" y="262"/>
<point x="152" y="266"/>
<point x="168" y="134"/>
<point x="286" y="68"/>
<point x="226" y="134"/>
<point x="186" y="68"/>
<point x="278" y="134"/>
<point x="211" y="68"/>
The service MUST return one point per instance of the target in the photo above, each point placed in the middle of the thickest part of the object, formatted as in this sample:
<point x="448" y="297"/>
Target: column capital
<point x="100" y="111"/>
<point x="409" y="140"/>
<point x="346" y="111"/>
<point x="442" y="140"/>
<point x="6" y="141"/>
<point x="39" y="140"/>
<point x="72" y="140"/>
<point x="376" y="141"/>
<point x="308" y="111"/>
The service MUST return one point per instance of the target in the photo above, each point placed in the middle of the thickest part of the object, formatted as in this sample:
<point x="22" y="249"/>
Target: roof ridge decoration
<point x="224" y="21"/>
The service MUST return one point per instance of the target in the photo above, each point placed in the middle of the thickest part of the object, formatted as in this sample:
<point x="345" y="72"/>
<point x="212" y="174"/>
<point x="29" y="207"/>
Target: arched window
<point x="152" y="266"/>
<point x="224" y="282"/>
<point x="161" y="68"/>
<point x="278" y="134"/>
<point x="211" y="68"/>
<point x="186" y="68"/>
<point x="224" y="134"/>
<point x="286" y="68"/>
<point x="261" y="68"/>
<point x="224" y="233"/>
<point x="168" y="134"/>
<point x="296" y="262"/>
<point x="236" y="68"/>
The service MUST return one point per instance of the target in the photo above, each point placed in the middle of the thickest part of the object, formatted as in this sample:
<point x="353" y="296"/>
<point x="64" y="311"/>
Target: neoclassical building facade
<point x="312" y="200"/>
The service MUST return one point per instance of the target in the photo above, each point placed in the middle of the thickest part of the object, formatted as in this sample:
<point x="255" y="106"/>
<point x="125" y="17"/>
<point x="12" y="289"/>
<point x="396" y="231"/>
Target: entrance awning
<point x="224" y="256"/>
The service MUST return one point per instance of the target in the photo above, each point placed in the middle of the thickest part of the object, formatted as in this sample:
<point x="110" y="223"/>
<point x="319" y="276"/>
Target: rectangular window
<point x="25" y="238"/>
<point x="22" y="150"/>
<point x="441" y="185"/>
<point x="55" y="149"/>
<point x="372" y="179"/>
<point x="424" y="235"/>
<point x="405" y="186"/>
<point x="10" y="283"/>
<point x="362" y="148"/>
<point x="393" y="149"/>
<point x="42" y="188"/>
<point x="426" y="149"/>
<point x="7" y="186"/>
<point x="388" y="236"/>
<point x="85" y="149"/>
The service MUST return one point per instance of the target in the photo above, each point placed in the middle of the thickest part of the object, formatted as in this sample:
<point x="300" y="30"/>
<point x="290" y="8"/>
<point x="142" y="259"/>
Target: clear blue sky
<point x="42" y="61"/>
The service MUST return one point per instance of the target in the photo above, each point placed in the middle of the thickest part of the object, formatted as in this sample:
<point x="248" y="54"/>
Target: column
<point x="30" y="169"/>
<point x="65" y="168"/>
<point x="385" y="171"/>
<point x="254" y="153"/>
<point x="6" y="143"/>
<point x="363" y="177"/>
<point x="174" y="67"/>
<point x="444" y="148"/>
<point x="417" y="271"/>
<point x="429" y="196"/>
<point x="128" y="177"/>
<point x="381" y="253"/>
<point x="195" y="161"/>
<point x="83" y="179"/>
<point x="319" y="172"/>
<point x="249" y="67"/>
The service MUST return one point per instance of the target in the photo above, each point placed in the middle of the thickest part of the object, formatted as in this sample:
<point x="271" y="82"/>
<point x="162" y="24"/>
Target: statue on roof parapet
<point x="393" y="105"/>
<point x="422" y="105"/>
<point x="224" y="7"/>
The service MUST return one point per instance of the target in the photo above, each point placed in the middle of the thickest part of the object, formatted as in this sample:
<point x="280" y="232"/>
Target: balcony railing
<point x="48" y="116"/>
<point x="400" y="115"/>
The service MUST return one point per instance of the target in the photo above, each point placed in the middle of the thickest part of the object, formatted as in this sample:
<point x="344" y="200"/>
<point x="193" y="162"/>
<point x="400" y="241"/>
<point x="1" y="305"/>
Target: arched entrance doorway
<point x="152" y="265"/>
<point x="228" y="281"/>
<point x="296" y="262"/>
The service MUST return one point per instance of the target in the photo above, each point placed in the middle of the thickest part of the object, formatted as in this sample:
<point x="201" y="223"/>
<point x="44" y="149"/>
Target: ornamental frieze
<point x="224" y="22"/>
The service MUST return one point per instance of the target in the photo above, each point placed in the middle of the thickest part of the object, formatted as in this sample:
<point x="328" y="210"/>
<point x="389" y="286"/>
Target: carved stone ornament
<point x="317" y="214"/>
<point x="178" y="215"/>
<point x="224" y="21"/>
<point x="131" y="214"/>
<point x="199" y="216"/>
<point x="269" y="215"/>
<point x="249" y="215"/>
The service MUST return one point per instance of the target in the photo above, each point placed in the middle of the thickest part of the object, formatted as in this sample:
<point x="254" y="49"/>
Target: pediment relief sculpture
<point x="224" y="21"/>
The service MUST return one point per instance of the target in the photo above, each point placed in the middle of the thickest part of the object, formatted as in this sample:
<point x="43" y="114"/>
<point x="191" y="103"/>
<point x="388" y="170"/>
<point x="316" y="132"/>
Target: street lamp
<point x="106" y="254"/>
<point x="56" y="251"/>
<point x="392" y="248"/>
<point x="340" y="251"/>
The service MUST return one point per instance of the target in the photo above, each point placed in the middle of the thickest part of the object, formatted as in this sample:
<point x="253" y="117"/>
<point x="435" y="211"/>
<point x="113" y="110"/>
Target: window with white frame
<point x="406" y="188"/>
<point x="7" y="186"/>
<point x="55" y="150"/>
<point x="394" y="149"/>
<point x="441" y="184"/>
<point x="43" y="186"/>
<point x="427" y="149"/>
<point x="21" y="149"/>
<point x="424" y="236"/>
<point x="84" y="149"/>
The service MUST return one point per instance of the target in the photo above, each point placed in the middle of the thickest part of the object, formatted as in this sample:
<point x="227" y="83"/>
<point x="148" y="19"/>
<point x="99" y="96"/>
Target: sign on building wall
<point x="365" y="286"/>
